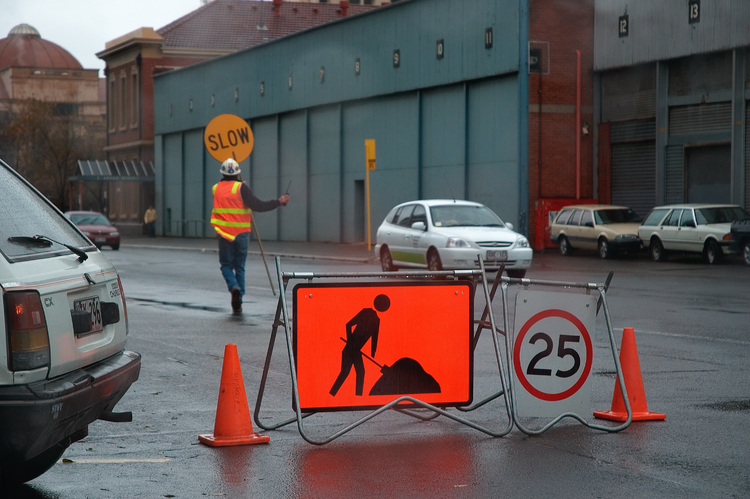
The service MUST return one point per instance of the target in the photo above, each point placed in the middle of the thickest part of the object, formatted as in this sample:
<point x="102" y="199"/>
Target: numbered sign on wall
<point x="553" y="352"/>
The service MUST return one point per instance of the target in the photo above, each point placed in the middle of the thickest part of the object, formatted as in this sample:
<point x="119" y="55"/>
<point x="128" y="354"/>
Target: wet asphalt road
<point x="692" y="325"/>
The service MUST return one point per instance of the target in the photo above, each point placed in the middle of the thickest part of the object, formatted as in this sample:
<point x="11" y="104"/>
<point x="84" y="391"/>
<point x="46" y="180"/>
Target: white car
<point x="692" y="228"/>
<point x="64" y="363"/>
<point x="442" y="234"/>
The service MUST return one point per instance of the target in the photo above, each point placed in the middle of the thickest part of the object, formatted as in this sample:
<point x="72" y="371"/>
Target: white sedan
<point x="439" y="234"/>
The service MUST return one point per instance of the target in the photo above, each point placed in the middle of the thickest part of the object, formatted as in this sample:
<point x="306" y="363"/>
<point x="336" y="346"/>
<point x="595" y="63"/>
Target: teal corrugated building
<point x="436" y="83"/>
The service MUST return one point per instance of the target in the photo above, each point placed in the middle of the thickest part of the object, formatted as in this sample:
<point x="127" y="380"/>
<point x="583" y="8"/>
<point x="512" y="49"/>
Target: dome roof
<point x="24" y="47"/>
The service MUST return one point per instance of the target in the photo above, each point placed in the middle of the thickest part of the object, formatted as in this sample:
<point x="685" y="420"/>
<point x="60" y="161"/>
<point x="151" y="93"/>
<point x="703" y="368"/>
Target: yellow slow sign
<point x="228" y="136"/>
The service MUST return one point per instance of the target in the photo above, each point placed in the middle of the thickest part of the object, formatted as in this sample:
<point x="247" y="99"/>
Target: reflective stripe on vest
<point x="230" y="217"/>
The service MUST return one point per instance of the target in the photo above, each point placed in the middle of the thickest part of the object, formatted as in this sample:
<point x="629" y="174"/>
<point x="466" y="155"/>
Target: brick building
<point x="43" y="86"/>
<point x="218" y="28"/>
<point x="561" y="124"/>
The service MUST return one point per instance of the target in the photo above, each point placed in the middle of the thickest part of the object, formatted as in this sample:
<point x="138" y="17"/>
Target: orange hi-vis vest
<point x="230" y="217"/>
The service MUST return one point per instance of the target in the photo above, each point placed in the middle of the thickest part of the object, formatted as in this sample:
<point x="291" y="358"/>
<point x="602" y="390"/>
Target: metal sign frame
<point x="601" y="289"/>
<point x="283" y="319"/>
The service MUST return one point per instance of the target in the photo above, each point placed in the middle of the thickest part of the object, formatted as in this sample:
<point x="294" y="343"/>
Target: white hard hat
<point x="230" y="167"/>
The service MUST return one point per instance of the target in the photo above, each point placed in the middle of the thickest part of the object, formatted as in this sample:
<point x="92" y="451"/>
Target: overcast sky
<point x="83" y="27"/>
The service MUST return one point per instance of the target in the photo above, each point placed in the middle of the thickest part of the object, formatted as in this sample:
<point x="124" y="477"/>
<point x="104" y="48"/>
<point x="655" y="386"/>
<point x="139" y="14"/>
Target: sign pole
<point x="369" y="165"/>
<point x="263" y="254"/>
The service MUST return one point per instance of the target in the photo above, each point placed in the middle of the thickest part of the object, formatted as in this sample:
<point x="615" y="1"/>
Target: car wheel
<point x="517" y="273"/>
<point x="21" y="472"/>
<point x="565" y="248"/>
<point x="712" y="252"/>
<point x="746" y="252"/>
<point x="656" y="250"/>
<point x="603" y="247"/>
<point x="115" y="247"/>
<point x="433" y="260"/>
<point x="386" y="260"/>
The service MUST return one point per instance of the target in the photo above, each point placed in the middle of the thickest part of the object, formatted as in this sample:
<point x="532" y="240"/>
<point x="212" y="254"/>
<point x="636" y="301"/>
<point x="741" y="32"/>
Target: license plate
<point x="497" y="256"/>
<point x="92" y="306"/>
<point x="100" y="240"/>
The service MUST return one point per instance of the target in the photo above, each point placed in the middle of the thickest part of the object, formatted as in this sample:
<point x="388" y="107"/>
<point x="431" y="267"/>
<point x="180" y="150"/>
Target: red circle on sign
<point x="553" y="397"/>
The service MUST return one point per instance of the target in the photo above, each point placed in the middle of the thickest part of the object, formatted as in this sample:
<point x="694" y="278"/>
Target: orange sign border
<point x="463" y="289"/>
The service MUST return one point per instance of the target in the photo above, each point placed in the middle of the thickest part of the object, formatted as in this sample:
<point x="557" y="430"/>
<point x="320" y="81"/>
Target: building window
<point x="135" y="103"/>
<point x="111" y="119"/>
<point x="122" y="108"/>
<point x="65" y="109"/>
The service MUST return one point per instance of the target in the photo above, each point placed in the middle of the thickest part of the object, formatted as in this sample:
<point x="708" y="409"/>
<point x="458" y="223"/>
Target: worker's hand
<point x="283" y="200"/>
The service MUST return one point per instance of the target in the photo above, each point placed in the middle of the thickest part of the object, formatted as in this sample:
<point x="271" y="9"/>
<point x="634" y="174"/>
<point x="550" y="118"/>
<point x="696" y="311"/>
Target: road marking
<point x="113" y="461"/>
<point x="694" y="337"/>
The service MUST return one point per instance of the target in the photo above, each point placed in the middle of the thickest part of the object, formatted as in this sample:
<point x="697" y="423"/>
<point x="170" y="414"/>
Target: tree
<point x="44" y="140"/>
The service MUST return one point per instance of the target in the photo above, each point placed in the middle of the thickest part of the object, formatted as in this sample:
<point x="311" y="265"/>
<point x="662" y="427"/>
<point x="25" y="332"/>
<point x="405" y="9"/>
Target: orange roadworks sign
<point x="362" y="345"/>
<point x="228" y="136"/>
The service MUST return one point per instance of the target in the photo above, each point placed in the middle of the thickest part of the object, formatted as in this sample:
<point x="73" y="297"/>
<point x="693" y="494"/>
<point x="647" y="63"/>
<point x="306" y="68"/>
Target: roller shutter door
<point x="634" y="175"/>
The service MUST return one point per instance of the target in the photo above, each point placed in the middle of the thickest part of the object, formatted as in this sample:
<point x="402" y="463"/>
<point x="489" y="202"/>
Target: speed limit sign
<point x="553" y="352"/>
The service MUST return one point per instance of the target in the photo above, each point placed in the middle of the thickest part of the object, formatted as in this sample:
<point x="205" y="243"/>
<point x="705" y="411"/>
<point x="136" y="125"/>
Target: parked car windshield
<point x="24" y="213"/>
<point x="464" y="216"/>
<point x="89" y="219"/>
<point x="720" y="215"/>
<point x="616" y="216"/>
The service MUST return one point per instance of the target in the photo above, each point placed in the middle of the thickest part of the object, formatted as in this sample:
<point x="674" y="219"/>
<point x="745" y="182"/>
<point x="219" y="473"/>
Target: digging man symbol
<point x="362" y="327"/>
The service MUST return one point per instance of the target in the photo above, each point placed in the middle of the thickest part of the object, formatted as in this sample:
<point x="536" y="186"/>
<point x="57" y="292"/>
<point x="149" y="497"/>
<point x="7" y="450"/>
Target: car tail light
<point x="124" y="306"/>
<point x="727" y="237"/>
<point x="27" y="331"/>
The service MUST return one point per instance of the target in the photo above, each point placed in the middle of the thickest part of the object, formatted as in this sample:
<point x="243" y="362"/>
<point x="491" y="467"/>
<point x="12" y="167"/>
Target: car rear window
<point x="587" y="218"/>
<point x="673" y="219"/>
<point x="576" y="218"/>
<point x="403" y="215"/>
<point x="720" y="215"/>
<point x="24" y="214"/>
<point x="655" y="216"/>
<point x="563" y="216"/>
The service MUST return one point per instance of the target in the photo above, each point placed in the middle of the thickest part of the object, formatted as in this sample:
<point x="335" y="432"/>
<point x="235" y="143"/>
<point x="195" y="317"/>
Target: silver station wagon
<point x="63" y="362"/>
<point x="608" y="229"/>
<point x="439" y="234"/>
<point x="691" y="228"/>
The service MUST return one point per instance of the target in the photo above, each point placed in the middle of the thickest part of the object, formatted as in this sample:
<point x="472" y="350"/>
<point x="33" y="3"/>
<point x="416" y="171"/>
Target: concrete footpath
<point x="347" y="252"/>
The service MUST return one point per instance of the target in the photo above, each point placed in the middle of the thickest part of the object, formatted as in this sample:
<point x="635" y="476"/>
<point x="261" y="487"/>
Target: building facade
<point x="45" y="90"/>
<point x="216" y="29"/>
<point x="672" y="80"/>
<point x="439" y="85"/>
<point x="490" y="101"/>
<point x="562" y="166"/>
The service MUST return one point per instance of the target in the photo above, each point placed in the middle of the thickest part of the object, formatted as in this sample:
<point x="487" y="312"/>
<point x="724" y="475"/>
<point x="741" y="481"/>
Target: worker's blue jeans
<point x="232" y="255"/>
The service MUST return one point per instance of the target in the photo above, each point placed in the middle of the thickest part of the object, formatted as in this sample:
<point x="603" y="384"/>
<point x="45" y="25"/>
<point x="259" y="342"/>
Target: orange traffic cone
<point x="233" y="425"/>
<point x="631" y="370"/>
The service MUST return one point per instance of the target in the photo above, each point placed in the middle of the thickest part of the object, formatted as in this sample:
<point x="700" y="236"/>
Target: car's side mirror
<point x="509" y="225"/>
<point x="419" y="226"/>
